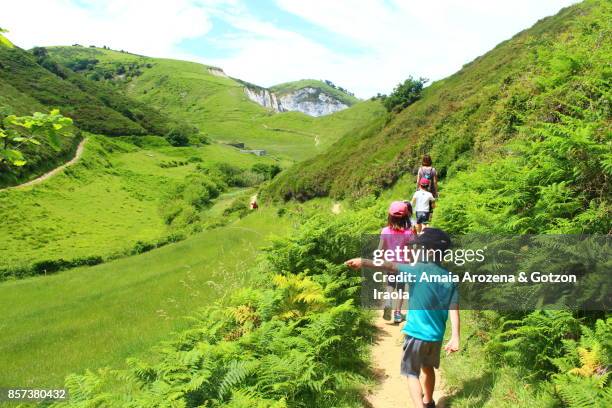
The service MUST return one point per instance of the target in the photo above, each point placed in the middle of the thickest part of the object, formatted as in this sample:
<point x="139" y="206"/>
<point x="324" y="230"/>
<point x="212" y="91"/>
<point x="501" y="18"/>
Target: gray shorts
<point x="419" y="353"/>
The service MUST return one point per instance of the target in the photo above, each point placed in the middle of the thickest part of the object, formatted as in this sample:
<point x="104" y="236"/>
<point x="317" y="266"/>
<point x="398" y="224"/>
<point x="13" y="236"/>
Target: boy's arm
<point x="357" y="263"/>
<point x="453" y="343"/>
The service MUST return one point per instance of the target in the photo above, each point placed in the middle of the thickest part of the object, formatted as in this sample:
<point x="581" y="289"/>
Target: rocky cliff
<point x="310" y="100"/>
<point x="265" y="98"/>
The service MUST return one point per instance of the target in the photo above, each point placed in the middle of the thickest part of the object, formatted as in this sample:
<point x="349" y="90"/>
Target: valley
<point x="105" y="206"/>
<point x="140" y="273"/>
<point x="219" y="105"/>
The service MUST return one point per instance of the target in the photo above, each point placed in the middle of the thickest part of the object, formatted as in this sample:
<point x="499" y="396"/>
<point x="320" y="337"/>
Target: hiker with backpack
<point x="398" y="233"/>
<point x="426" y="171"/>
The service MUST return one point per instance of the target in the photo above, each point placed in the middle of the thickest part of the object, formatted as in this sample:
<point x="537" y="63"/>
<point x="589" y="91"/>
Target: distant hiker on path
<point x="428" y="172"/>
<point x="430" y="305"/>
<point x="397" y="234"/>
<point x="423" y="202"/>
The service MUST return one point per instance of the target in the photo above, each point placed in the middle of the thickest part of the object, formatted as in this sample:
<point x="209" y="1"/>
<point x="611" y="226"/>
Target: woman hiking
<point x="426" y="171"/>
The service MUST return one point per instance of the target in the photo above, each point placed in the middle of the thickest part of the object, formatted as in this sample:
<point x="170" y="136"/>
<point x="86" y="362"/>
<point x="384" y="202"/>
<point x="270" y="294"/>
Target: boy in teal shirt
<point x="430" y="305"/>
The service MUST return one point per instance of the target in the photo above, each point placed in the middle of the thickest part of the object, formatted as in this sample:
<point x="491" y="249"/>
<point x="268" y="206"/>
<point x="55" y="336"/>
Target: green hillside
<point x="31" y="83"/>
<point x="93" y="107"/>
<point x="121" y="198"/>
<point x="5" y="42"/>
<point x="340" y="94"/>
<point x="216" y="104"/>
<point x="550" y="74"/>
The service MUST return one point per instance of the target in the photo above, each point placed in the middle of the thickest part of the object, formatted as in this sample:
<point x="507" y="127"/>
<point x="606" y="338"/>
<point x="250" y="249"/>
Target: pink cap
<point x="424" y="182"/>
<point x="398" y="209"/>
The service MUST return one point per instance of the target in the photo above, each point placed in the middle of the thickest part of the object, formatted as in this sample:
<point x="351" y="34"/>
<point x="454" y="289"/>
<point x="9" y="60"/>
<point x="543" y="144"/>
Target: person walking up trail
<point x="397" y="234"/>
<point x="431" y="303"/>
<point x="426" y="171"/>
<point x="423" y="202"/>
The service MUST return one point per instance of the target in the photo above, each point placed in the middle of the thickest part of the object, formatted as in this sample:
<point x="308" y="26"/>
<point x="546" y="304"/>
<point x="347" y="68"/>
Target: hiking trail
<point x="40" y="179"/>
<point x="392" y="388"/>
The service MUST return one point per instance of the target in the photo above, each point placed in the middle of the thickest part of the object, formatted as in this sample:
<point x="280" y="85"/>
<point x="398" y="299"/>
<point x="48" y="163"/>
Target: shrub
<point x="48" y="266"/>
<point x="269" y="171"/>
<point x="178" y="137"/>
<point x="404" y="94"/>
<point x="171" y="209"/>
<point x="142" y="247"/>
<point x="238" y="206"/>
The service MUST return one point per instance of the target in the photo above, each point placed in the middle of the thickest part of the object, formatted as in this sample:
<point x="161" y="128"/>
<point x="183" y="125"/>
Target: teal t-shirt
<point x="430" y="298"/>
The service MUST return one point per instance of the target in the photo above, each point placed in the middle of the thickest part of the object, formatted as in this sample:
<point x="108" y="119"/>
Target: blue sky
<point x="367" y="46"/>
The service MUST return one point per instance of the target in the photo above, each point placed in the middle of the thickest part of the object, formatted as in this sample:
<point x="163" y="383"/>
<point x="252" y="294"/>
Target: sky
<point x="366" y="46"/>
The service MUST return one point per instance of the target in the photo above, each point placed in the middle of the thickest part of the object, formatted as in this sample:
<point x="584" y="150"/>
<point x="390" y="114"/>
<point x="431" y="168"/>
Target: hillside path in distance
<point x="40" y="179"/>
<point x="392" y="389"/>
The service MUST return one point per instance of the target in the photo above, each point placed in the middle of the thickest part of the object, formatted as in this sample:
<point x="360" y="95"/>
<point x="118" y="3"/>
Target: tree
<point x="404" y="94"/>
<point x="40" y="53"/>
<point x="18" y="131"/>
<point x="178" y="137"/>
<point x="268" y="171"/>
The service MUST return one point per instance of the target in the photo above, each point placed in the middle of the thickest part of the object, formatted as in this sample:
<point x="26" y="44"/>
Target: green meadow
<point x="104" y="204"/>
<point x="91" y="317"/>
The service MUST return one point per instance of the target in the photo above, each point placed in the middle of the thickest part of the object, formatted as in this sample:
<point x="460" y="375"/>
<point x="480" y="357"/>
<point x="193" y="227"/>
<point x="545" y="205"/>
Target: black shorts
<point x="422" y="217"/>
<point x="418" y="354"/>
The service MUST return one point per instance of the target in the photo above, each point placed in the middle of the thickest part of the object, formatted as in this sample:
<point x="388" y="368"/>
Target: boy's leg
<point x="416" y="392"/>
<point x="429" y="382"/>
<point x="431" y="360"/>
<point x="411" y="368"/>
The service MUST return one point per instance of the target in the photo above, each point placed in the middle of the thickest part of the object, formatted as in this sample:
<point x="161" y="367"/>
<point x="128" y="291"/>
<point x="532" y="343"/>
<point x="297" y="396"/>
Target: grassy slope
<point x="556" y="70"/>
<point x="90" y="113"/>
<point x="5" y="42"/>
<point x="27" y="87"/>
<point x="20" y="103"/>
<point x="220" y="107"/>
<point x="314" y="83"/>
<point x="471" y="382"/>
<point x="102" y="205"/>
<point x="92" y="317"/>
<point x="467" y="116"/>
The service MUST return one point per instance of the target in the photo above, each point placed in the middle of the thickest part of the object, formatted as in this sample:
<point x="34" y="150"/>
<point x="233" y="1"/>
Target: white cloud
<point x="147" y="27"/>
<point x="420" y="37"/>
<point x="397" y="38"/>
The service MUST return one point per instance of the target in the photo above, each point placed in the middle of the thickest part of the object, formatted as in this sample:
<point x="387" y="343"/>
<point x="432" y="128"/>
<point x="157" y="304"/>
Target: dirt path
<point x="40" y="179"/>
<point x="392" y="390"/>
